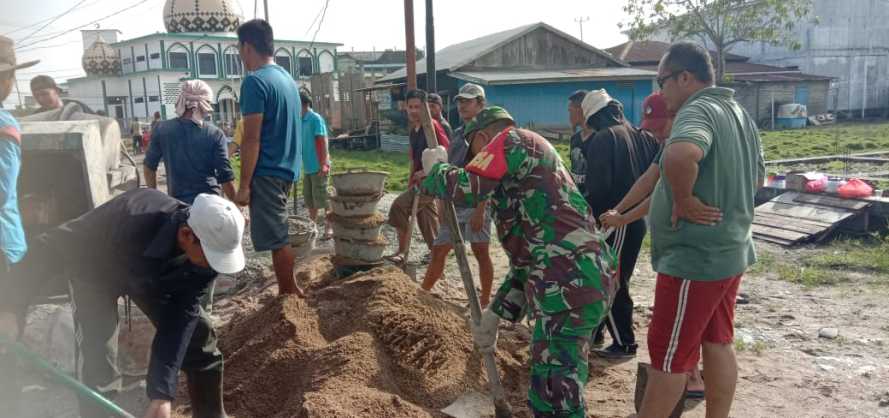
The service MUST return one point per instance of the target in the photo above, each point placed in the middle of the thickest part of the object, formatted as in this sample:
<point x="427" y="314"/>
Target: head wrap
<point x="196" y="96"/>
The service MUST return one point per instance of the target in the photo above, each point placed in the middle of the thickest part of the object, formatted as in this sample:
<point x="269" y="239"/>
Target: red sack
<point x="817" y="186"/>
<point x="855" y="188"/>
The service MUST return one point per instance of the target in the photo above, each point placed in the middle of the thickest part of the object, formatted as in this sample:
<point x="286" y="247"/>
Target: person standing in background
<point x="316" y="162"/>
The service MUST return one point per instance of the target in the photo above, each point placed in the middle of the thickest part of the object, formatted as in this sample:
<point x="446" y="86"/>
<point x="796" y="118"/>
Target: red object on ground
<point x="855" y="188"/>
<point x="686" y="314"/>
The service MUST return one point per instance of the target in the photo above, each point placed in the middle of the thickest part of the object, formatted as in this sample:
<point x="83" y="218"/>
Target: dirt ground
<point x="786" y="369"/>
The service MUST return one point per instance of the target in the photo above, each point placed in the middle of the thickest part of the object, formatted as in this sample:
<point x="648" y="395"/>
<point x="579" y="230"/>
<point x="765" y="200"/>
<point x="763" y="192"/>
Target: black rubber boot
<point x="205" y="391"/>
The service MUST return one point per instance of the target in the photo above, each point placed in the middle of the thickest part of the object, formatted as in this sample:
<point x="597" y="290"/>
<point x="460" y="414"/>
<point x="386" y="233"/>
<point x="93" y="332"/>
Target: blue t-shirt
<point x="12" y="234"/>
<point x="270" y="90"/>
<point x="195" y="157"/>
<point x="312" y="126"/>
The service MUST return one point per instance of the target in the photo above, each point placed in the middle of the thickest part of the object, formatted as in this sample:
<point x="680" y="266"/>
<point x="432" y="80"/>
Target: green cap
<point x="486" y="117"/>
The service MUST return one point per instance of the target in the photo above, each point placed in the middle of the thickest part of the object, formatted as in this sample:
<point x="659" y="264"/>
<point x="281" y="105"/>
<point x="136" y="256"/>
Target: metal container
<point x="366" y="251"/>
<point x="364" y="228"/>
<point x="302" y="233"/>
<point x="359" y="182"/>
<point x="350" y="206"/>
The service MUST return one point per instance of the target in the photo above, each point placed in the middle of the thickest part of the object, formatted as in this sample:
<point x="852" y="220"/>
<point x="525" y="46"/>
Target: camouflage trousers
<point x="559" y="364"/>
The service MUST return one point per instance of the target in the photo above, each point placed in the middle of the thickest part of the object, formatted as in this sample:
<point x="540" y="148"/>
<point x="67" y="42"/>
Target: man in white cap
<point x="615" y="156"/>
<point x="163" y="255"/>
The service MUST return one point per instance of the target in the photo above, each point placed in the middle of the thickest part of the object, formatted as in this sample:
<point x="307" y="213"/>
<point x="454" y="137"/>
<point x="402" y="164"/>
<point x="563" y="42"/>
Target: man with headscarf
<point x="193" y="150"/>
<point x="615" y="157"/>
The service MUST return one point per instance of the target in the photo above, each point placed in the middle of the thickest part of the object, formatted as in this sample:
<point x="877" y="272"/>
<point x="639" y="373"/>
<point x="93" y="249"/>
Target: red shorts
<point x="688" y="313"/>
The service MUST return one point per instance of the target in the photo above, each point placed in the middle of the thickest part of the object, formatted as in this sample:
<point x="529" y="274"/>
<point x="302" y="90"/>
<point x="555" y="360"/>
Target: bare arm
<point x="641" y="189"/>
<point x="150" y="177"/>
<point x="249" y="155"/>
<point x="681" y="171"/>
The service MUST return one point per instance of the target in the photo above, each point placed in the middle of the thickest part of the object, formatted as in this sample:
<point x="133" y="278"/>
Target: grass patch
<point x="869" y="256"/>
<point x="807" y="276"/>
<point x="757" y="347"/>
<point x="825" y="140"/>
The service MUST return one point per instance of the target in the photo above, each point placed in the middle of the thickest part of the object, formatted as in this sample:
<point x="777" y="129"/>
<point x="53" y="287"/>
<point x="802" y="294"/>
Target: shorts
<point x="268" y="213"/>
<point x="686" y="314"/>
<point x="427" y="214"/>
<point x="315" y="191"/>
<point x="470" y="236"/>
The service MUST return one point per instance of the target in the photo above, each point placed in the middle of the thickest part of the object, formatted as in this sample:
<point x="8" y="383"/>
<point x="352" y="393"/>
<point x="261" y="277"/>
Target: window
<point x="153" y="99"/>
<point x="140" y="58"/>
<point x="207" y="64"/>
<point x="155" y="56"/>
<point x="233" y="66"/>
<point x="178" y="60"/>
<point x="284" y="61"/>
<point x="139" y="100"/>
<point x="306" y="66"/>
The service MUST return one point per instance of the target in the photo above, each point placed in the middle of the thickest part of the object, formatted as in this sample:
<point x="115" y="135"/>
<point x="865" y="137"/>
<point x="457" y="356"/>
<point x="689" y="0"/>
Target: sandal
<point x="397" y="259"/>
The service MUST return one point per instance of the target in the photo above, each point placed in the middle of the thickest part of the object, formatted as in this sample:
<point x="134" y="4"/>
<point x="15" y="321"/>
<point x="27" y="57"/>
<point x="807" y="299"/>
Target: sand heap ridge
<point x="373" y="344"/>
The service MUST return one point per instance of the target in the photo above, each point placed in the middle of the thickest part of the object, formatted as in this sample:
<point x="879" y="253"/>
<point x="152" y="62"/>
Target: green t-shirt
<point x="729" y="175"/>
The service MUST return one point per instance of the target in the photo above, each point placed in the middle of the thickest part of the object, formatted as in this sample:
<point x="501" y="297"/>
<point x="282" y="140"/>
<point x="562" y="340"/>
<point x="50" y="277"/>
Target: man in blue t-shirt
<point x="270" y="152"/>
<point x="12" y="234"/>
<point x="316" y="163"/>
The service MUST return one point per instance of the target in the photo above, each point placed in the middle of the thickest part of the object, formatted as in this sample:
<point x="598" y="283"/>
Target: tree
<point x="719" y="24"/>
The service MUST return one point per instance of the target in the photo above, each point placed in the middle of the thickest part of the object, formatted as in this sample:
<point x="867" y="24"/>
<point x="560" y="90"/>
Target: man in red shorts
<point x="712" y="158"/>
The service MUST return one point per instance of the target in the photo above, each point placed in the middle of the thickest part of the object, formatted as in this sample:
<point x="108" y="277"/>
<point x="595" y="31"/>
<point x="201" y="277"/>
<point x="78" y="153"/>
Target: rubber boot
<point x="205" y="391"/>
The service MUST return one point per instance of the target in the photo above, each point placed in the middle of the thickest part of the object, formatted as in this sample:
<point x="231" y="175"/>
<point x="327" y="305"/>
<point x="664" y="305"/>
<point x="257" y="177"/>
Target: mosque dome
<point x="202" y="15"/>
<point x="101" y="59"/>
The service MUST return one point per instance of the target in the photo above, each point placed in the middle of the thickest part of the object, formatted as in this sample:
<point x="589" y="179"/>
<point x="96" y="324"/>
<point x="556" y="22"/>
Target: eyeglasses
<point x="662" y="80"/>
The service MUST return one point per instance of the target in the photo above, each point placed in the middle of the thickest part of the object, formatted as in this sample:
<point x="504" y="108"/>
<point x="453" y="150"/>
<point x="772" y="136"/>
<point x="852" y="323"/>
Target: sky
<point x="357" y="24"/>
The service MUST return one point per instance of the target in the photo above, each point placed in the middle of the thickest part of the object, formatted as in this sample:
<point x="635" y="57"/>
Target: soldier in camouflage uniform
<point x="561" y="269"/>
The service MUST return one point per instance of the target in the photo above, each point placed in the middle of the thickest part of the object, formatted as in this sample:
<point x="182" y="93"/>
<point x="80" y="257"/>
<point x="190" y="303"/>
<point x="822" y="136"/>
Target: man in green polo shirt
<point x="713" y="157"/>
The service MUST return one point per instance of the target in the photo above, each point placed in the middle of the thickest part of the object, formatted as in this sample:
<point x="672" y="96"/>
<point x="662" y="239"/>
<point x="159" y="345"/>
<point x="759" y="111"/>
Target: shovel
<point x="59" y="376"/>
<point x="501" y="406"/>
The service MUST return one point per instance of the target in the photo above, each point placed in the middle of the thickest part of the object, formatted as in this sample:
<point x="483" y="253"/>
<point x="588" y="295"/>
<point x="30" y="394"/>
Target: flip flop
<point x="694" y="394"/>
<point x="397" y="259"/>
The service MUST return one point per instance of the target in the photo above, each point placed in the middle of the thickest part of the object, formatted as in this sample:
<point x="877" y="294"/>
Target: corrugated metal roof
<point x="758" y="73"/>
<point x="455" y="56"/>
<point x="524" y="77"/>
<point x="651" y="52"/>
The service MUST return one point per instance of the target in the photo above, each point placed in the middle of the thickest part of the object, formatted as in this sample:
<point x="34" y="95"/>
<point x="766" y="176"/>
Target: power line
<point x="51" y="21"/>
<point x="315" y="20"/>
<point x="26" y="27"/>
<point x="320" y="22"/>
<point x="19" y="51"/>
<point x="85" y="24"/>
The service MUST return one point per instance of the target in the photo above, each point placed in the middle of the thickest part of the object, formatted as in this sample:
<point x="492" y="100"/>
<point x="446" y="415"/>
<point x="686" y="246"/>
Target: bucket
<point x="350" y="206"/>
<point x="302" y="233"/>
<point x="359" y="182"/>
<point x="363" y="228"/>
<point x="366" y="251"/>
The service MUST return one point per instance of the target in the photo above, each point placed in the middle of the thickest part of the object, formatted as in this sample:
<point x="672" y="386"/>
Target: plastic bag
<point x="855" y="188"/>
<point x="816" y="186"/>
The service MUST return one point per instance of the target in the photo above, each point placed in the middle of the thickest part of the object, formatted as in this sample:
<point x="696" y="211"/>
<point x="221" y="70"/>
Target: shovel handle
<point x="74" y="384"/>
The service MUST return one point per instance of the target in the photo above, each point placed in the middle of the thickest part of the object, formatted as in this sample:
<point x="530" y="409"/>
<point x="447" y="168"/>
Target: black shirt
<point x="125" y="247"/>
<point x="578" y="160"/>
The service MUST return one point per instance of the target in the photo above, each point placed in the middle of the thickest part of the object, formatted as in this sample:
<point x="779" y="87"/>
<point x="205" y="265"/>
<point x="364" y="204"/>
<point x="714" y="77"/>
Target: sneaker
<point x="615" y="351"/>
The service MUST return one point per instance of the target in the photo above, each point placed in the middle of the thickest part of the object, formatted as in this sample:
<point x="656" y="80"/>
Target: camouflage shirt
<point x="558" y="259"/>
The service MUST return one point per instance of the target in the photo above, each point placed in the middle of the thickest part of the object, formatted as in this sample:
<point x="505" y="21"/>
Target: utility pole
<point x="580" y="21"/>
<point x="410" y="50"/>
<point x="265" y="4"/>
<point x="431" y="82"/>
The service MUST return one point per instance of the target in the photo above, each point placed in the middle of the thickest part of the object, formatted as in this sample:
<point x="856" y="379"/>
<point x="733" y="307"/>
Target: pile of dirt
<point x="373" y="344"/>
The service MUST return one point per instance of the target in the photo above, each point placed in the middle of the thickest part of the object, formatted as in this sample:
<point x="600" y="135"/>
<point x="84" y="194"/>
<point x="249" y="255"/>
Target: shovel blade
<point x="471" y="405"/>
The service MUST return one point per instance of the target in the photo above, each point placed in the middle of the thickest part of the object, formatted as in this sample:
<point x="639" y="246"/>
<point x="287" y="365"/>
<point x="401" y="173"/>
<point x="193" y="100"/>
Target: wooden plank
<point x="779" y="233"/>
<point x="791" y="226"/>
<point x="822" y="214"/>
<point x="834" y="202"/>
<point x="773" y="240"/>
<point x="773" y="219"/>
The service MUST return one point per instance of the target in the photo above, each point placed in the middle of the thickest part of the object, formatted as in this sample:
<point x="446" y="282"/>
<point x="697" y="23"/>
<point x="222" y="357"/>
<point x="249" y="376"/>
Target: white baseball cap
<point x="219" y="225"/>
<point x="471" y="91"/>
<point x="595" y="101"/>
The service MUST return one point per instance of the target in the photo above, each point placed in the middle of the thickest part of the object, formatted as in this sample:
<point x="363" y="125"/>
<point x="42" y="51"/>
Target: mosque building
<point x="134" y="78"/>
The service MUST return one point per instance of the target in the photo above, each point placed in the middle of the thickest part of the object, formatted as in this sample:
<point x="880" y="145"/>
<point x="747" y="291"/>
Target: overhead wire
<point x="26" y="27"/>
<point x="132" y="6"/>
<point x="51" y="21"/>
<point x="321" y="22"/>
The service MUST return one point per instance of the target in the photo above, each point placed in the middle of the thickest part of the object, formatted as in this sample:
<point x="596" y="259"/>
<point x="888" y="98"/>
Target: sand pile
<point x="371" y="345"/>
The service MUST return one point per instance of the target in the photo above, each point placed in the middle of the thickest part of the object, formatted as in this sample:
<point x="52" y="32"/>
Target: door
<point x="802" y="95"/>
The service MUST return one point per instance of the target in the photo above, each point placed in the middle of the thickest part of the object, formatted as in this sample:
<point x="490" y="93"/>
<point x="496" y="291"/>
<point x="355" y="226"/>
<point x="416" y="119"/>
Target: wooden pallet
<point x="795" y="218"/>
